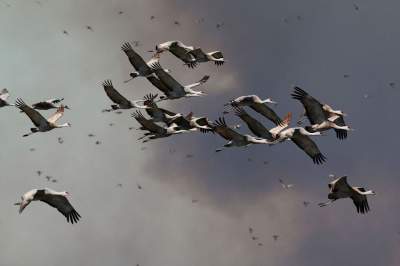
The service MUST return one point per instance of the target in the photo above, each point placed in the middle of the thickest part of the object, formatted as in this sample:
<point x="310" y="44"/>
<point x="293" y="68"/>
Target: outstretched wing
<point x="308" y="146"/>
<point x="266" y="111"/>
<point x="340" y="133"/>
<point x="221" y="128"/>
<point x="313" y="107"/>
<point x="62" y="204"/>
<point x="159" y="84"/>
<point x="198" y="54"/>
<point x="36" y="118"/>
<point x="181" y="51"/>
<point x="113" y="94"/>
<point x="147" y="124"/>
<point x="360" y="200"/>
<point x="136" y="60"/>
<point x="254" y="125"/>
<point x="166" y="78"/>
<point x="57" y="115"/>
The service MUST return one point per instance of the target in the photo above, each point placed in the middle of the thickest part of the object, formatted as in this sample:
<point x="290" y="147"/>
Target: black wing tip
<point x="155" y="66"/>
<point x="107" y="83"/>
<point x="298" y="93"/>
<point x="137" y="114"/>
<point x="319" y="158"/>
<point x="19" y="103"/>
<point x="363" y="208"/>
<point x="238" y="111"/>
<point x="341" y="134"/>
<point x="126" y="46"/>
<point x="150" y="97"/>
<point x="73" y="217"/>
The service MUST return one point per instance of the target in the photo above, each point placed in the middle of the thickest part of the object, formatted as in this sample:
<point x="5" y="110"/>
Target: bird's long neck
<point x="63" y="125"/>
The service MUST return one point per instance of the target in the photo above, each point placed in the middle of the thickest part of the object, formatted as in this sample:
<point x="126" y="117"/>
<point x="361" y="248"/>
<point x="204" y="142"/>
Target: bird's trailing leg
<point x="33" y="130"/>
<point x="323" y="204"/>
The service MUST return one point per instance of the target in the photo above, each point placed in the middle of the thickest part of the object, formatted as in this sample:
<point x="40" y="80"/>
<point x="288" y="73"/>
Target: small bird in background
<point x="189" y="156"/>
<point x="39" y="172"/>
<point x="219" y="25"/>
<point x="250" y="230"/>
<point x="260" y="244"/>
<point x="275" y="237"/>
<point x="111" y="124"/>
<point x="392" y="85"/>
<point x="98" y="142"/>
<point x="306" y="203"/>
<point x="48" y="177"/>
<point x="119" y="185"/>
<point x="152" y="17"/>
<point x="32" y="149"/>
<point x="139" y="186"/>
<point x="356" y="7"/>
<point x="195" y="200"/>
<point x="89" y="28"/>
<point x="54" y="180"/>
<point x="143" y="148"/>
<point x="284" y="185"/>
<point x="120" y="12"/>
<point x="90" y="135"/>
<point x="254" y="238"/>
<point x="177" y="23"/>
<point x="346" y="76"/>
<point x="65" y="32"/>
<point x="60" y="140"/>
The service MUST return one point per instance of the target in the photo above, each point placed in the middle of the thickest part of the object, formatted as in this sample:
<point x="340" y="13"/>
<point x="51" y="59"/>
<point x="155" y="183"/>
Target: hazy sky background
<point x="269" y="47"/>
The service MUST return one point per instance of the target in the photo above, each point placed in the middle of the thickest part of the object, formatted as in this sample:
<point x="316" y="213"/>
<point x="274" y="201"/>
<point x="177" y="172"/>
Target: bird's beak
<point x="126" y="81"/>
<point x="272" y="102"/>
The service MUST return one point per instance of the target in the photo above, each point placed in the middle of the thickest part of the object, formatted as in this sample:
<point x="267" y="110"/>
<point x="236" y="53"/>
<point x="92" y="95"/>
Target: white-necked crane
<point x="155" y="131"/>
<point x="191" y="123"/>
<point x="49" y="104"/>
<point x="234" y="138"/>
<point x="258" y="105"/>
<point x="4" y="94"/>
<point x="142" y="68"/>
<point x="120" y="101"/>
<point x="42" y="124"/>
<point x="216" y="56"/>
<point x="55" y="199"/>
<point x="301" y="137"/>
<point x="319" y="114"/>
<point x="172" y="88"/>
<point x="180" y="50"/>
<point x="340" y="189"/>
<point x="257" y="128"/>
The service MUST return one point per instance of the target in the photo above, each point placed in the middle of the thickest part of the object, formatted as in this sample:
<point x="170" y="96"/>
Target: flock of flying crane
<point x="164" y="123"/>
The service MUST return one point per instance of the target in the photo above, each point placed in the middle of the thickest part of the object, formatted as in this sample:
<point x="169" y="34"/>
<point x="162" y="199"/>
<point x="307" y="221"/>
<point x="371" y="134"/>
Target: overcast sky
<point x="270" y="46"/>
